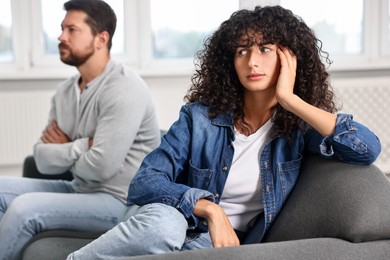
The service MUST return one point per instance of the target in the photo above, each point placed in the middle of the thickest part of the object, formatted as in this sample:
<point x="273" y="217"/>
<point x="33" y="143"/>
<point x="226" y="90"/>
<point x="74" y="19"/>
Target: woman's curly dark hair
<point x="215" y="82"/>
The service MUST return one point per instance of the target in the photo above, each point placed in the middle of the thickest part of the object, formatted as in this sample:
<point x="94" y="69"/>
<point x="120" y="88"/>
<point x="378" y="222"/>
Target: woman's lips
<point x="255" y="76"/>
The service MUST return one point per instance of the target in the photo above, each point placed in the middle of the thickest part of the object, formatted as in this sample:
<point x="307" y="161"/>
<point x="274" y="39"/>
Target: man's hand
<point x="221" y="231"/>
<point x="90" y="142"/>
<point x="54" y="135"/>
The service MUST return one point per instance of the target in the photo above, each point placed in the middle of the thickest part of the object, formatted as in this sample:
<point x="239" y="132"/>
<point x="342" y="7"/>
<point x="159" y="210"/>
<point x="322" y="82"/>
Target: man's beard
<point x="74" y="59"/>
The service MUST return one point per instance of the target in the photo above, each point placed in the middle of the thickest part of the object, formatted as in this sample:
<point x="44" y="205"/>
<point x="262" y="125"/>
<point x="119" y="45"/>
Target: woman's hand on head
<point x="286" y="80"/>
<point x="322" y="121"/>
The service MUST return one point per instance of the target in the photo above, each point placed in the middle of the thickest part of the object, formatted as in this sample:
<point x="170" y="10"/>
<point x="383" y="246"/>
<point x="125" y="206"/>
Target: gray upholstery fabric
<point x="331" y="200"/>
<point x="310" y="249"/>
<point x="334" y="199"/>
<point x="56" y="244"/>
<point x="53" y="248"/>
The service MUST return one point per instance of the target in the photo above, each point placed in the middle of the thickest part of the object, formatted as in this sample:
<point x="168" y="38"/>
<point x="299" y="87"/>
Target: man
<point x="102" y="123"/>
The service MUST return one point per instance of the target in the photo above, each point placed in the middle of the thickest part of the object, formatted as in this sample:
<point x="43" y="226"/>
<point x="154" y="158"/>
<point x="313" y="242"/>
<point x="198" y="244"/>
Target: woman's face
<point x="257" y="65"/>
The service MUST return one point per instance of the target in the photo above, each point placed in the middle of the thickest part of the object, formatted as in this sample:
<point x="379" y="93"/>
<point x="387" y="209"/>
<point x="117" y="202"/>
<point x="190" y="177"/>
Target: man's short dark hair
<point x="101" y="17"/>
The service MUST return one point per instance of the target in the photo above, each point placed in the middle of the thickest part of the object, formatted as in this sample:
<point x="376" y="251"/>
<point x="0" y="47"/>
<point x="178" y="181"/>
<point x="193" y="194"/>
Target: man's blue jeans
<point x="150" y="229"/>
<point x="30" y="206"/>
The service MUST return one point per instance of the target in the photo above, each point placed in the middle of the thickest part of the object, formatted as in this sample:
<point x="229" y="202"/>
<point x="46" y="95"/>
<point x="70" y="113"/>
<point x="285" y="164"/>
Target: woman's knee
<point x="162" y="214"/>
<point x="169" y="219"/>
<point x="162" y="223"/>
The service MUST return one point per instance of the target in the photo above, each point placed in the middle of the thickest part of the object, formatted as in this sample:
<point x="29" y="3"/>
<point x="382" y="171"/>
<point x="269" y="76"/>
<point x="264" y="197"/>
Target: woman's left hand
<point x="324" y="122"/>
<point x="286" y="80"/>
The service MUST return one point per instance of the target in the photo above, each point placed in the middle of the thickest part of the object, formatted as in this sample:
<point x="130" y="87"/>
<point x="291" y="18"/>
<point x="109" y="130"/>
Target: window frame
<point x="31" y="62"/>
<point x="40" y="60"/>
<point x="385" y="33"/>
<point x="19" y="37"/>
<point x="10" y="5"/>
<point x="149" y="66"/>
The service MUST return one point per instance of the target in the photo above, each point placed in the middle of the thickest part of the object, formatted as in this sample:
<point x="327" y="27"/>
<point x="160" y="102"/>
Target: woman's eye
<point x="264" y="49"/>
<point x="242" y="52"/>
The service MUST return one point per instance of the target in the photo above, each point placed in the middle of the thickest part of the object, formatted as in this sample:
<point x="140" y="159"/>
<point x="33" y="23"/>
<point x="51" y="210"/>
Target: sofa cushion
<point x="56" y="244"/>
<point x="335" y="199"/>
<point x="306" y="249"/>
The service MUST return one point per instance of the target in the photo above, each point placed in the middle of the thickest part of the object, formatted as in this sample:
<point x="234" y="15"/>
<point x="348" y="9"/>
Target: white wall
<point x="168" y="95"/>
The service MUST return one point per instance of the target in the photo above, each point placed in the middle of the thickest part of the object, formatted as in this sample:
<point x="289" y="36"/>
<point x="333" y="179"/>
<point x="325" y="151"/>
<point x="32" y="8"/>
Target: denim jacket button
<point x="204" y="223"/>
<point x="266" y="164"/>
<point x="224" y="168"/>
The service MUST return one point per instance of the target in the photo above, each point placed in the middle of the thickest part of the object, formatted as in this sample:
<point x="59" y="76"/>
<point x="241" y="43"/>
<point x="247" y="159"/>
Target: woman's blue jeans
<point x="30" y="206"/>
<point x="150" y="229"/>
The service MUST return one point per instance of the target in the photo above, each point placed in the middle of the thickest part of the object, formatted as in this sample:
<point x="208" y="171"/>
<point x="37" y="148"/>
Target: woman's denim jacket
<point x="195" y="156"/>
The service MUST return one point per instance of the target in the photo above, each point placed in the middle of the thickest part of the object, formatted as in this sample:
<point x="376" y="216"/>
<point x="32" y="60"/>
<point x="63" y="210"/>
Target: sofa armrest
<point x="30" y="170"/>
<point x="335" y="199"/>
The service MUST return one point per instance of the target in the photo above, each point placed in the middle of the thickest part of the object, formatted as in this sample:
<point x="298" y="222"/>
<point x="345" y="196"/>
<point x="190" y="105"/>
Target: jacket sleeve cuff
<point x="344" y="125"/>
<point x="187" y="205"/>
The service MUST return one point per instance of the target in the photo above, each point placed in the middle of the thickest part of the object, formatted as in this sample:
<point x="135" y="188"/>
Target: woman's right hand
<point x="286" y="80"/>
<point x="221" y="231"/>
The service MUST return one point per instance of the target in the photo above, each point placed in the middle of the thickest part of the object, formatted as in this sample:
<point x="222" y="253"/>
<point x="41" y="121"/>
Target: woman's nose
<point x="254" y="59"/>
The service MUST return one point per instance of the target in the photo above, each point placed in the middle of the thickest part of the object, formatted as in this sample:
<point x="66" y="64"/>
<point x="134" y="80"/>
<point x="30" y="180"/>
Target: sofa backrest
<point x="335" y="199"/>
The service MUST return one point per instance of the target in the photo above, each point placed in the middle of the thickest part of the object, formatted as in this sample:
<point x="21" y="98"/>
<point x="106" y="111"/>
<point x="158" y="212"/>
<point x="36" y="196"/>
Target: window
<point x="341" y="32"/>
<point x="158" y="37"/>
<point x="52" y="15"/>
<point x="173" y="31"/>
<point x="356" y="33"/>
<point x="6" y="53"/>
<point x="387" y="44"/>
<point x="179" y="32"/>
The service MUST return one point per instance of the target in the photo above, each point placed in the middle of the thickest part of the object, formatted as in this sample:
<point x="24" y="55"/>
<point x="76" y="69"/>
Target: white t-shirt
<point x="242" y="198"/>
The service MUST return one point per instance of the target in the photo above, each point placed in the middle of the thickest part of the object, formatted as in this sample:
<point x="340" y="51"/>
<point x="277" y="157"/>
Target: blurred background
<point x="158" y="38"/>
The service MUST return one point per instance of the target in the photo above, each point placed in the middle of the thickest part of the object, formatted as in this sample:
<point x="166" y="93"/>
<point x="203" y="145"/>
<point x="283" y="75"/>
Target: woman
<point x="260" y="99"/>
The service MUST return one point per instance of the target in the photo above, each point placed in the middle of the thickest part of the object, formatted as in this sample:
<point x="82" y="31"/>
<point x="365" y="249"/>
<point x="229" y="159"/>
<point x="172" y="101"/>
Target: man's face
<point x="77" y="44"/>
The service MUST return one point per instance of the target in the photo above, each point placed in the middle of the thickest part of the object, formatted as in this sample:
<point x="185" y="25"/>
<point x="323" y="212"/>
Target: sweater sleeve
<point x="58" y="158"/>
<point x="121" y="112"/>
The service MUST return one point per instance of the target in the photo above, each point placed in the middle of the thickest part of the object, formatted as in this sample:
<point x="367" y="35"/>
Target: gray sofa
<point x="336" y="211"/>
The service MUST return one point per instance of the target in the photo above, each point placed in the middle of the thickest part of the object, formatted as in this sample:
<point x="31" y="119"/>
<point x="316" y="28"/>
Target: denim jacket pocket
<point x="199" y="178"/>
<point x="288" y="173"/>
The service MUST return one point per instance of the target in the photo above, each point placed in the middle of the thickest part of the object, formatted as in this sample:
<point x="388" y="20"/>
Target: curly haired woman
<point x="260" y="99"/>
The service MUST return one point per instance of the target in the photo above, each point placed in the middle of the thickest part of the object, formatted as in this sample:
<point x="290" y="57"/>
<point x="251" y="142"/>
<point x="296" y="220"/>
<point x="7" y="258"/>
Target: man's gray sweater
<point x="117" y="111"/>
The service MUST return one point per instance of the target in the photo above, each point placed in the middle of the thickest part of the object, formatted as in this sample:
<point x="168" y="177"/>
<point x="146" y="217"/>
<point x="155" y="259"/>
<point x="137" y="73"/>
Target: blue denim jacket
<point x="195" y="156"/>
